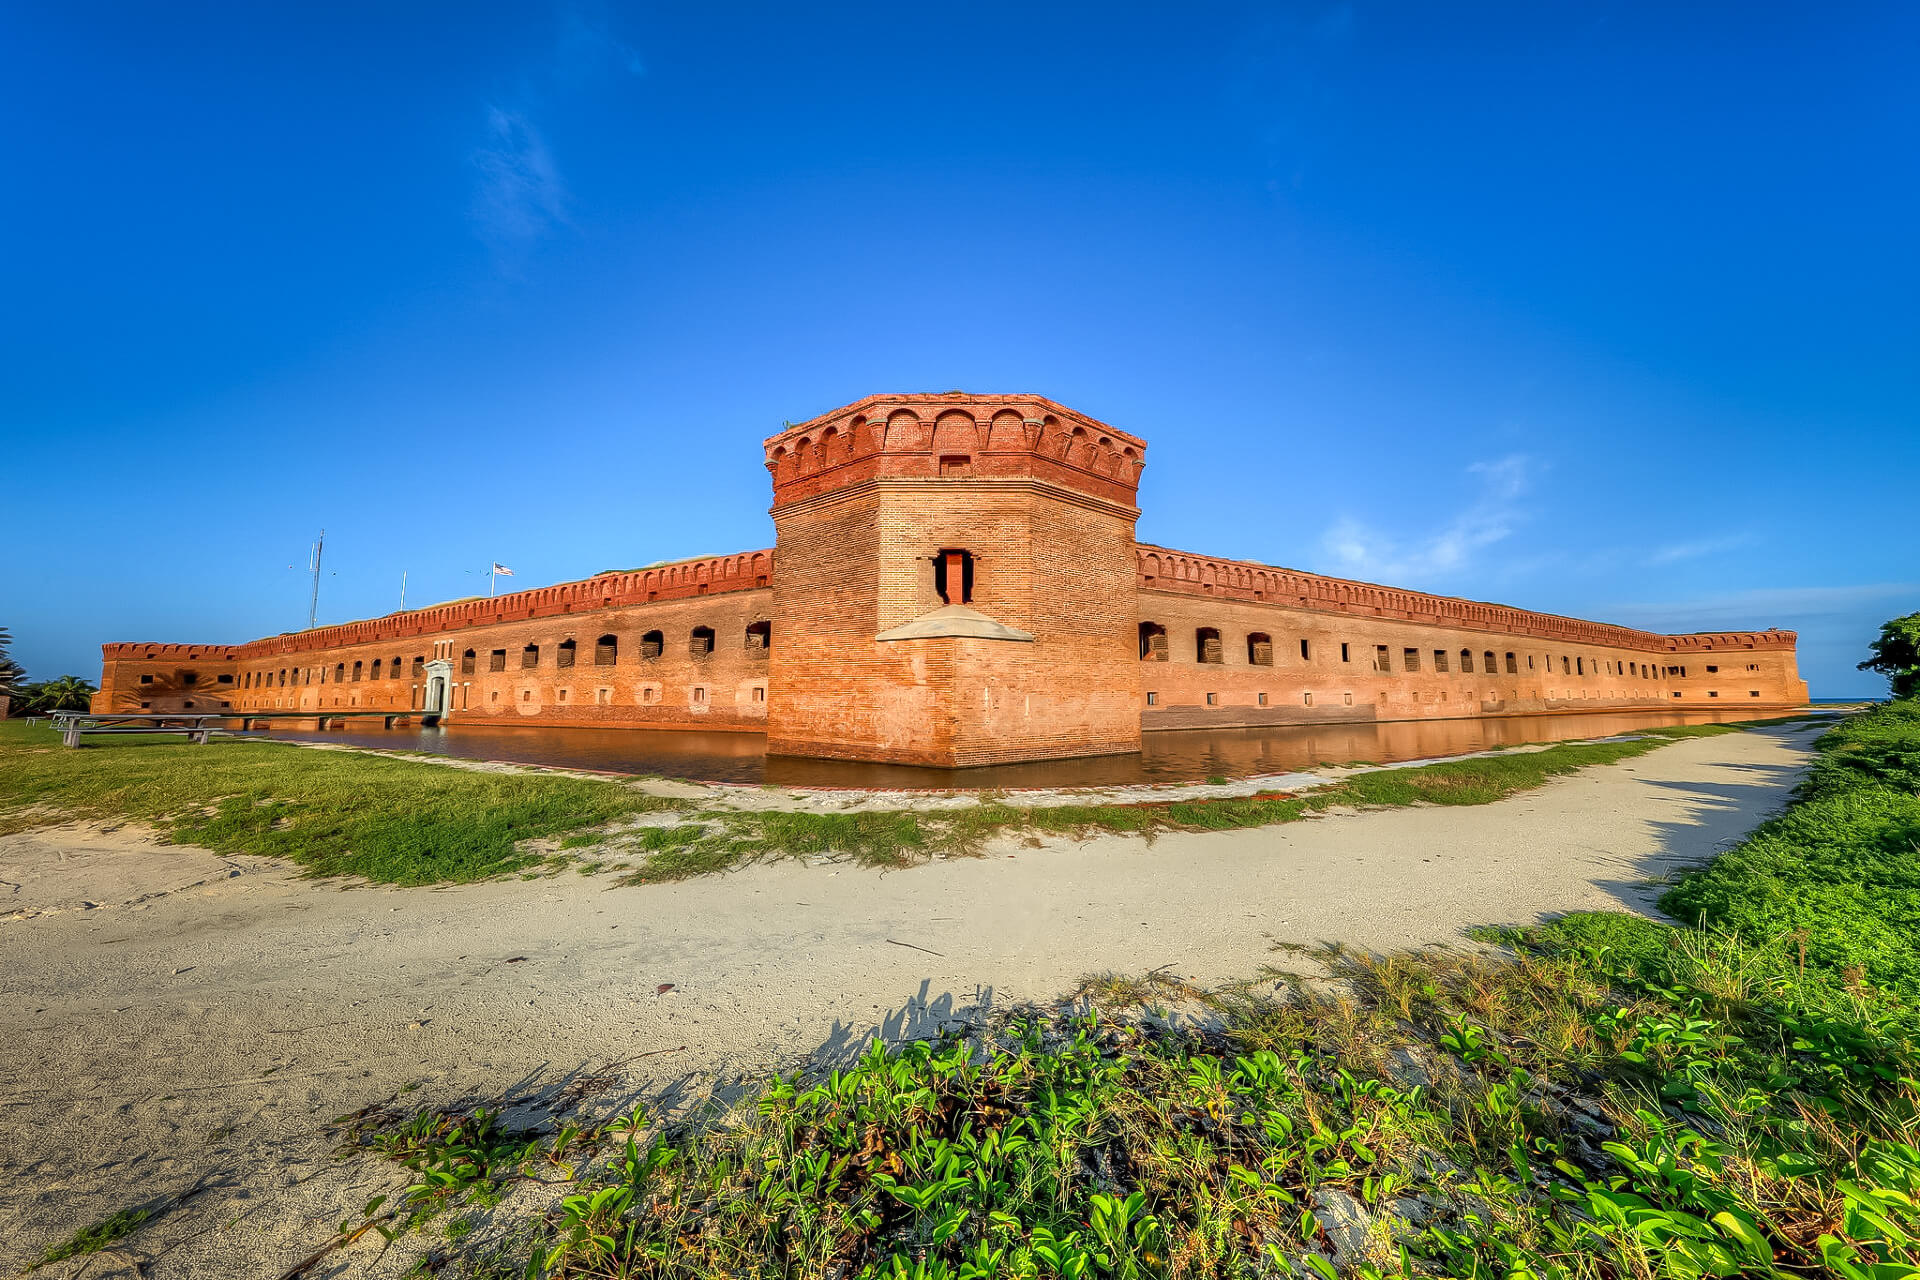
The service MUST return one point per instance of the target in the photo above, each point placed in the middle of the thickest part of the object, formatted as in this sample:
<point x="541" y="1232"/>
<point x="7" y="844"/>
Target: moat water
<point x="1188" y="755"/>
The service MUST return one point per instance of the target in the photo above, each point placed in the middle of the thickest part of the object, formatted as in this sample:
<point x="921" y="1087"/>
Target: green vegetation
<point x="1614" y="1098"/>
<point x="99" y="1236"/>
<point x="722" y="840"/>
<point x="334" y="812"/>
<point x="409" y="820"/>
<point x="1896" y="655"/>
<point x="12" y="675"/>
<point x="1839" y="872"/>
<point x="64" y="693"/>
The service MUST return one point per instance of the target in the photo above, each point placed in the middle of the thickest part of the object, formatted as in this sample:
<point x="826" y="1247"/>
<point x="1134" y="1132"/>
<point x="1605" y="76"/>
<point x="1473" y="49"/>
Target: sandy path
<point x="196" y="1024"/>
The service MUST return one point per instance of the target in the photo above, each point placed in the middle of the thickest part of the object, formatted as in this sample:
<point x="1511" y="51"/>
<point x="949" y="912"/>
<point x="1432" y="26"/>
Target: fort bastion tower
<point x="956" y="582"/>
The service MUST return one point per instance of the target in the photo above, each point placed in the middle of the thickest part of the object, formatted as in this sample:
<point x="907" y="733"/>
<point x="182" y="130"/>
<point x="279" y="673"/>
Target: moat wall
<point x="1070" y="638"/>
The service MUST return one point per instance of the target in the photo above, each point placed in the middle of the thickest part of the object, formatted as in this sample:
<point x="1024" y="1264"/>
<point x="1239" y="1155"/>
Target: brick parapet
<point x="710" y="575"/>
<point x="1164" y="569"/>
<point x="930" y="437"/>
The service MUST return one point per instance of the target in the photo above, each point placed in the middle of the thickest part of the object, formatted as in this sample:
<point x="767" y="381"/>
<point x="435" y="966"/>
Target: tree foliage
<point x="12" y="677"/>
<point x="66" y="693"/>
<point x="1896" y="655"/>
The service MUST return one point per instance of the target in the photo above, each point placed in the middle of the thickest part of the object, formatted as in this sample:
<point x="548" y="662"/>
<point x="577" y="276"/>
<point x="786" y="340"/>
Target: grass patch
<point x="1613" y="1098"/>
<point x="334" y="812"/>
<point x="102" y="1234"/>
<point x="1839" y="872"/>
<point x="412" y="821"/>
<point x="898" y="839"/>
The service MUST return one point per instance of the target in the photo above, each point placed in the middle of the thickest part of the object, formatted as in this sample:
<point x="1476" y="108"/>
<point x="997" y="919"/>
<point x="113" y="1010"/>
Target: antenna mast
<point x="313" y="606"/>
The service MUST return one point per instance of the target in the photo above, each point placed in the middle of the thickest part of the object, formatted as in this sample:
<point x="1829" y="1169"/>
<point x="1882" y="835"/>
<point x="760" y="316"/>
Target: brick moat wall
<point x="869" y="502"/>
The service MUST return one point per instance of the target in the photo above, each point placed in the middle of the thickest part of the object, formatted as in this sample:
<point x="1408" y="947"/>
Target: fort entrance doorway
<point x="439" y="681"/>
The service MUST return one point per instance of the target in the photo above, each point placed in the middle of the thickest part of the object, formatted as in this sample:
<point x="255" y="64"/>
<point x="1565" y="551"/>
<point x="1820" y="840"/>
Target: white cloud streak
<point x="1675" y="552"/>
<point x="1767" y="606"/>
<point x="1359" y="550"/>
<point x="521" y="196"/>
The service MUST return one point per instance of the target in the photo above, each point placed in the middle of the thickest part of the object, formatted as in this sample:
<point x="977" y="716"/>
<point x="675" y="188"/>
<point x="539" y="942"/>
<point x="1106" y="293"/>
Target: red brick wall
<point x="724" y="689"/>
<point x="166" y="677"/>
<point x="1562" y="664"/>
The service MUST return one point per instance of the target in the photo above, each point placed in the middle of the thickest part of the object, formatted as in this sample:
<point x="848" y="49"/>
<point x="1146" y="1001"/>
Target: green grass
<point x="1839" y="872"/>
<point x="93" y="1239"/>
<point x="1611" y="1099"/>
<point x="897" y="839"/>
<point x="400" y="821"/>
<point x="411" y="821"/>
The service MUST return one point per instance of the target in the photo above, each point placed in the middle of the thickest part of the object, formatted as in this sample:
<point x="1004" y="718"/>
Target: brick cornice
<point x="874" y="486"/>
<point x="1184" y="573"/>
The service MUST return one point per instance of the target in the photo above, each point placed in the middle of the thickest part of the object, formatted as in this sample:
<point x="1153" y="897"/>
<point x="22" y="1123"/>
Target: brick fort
<point x="955" y="581"/>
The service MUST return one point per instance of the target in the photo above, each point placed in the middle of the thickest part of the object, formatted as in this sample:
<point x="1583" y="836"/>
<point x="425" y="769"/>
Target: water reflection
<point x="1179" y="756"/>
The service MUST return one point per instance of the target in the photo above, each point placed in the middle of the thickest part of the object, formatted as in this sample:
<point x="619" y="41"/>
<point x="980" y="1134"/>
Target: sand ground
<point x="176" y="1022"/>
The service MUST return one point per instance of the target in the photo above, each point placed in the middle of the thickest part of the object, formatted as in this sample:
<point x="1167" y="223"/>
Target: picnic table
<point x="74" y="725"/>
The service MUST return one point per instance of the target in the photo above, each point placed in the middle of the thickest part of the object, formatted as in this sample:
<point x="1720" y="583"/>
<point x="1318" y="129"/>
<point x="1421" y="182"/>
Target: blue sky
<point x="1602" y="309"/>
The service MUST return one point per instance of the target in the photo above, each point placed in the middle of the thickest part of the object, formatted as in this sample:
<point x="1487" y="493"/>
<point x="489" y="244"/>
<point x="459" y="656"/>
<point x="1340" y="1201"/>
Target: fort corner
<point x="955" y="581"/>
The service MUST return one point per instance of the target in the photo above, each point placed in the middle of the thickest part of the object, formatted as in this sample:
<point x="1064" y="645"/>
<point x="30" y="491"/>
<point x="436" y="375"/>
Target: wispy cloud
<point x="1677" y="551"/>
<point x="521" y="196"/>
<point x="1360" y="550"/>
<point x="1766" y="606"/>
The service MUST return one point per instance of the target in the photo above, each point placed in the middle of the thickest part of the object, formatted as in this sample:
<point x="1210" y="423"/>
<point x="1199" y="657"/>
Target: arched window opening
<point x="530" y="657"/>
<point x="1206" y="645"/>
<point x="1491" y="664"/>
<point x="419" y="667"/>
<point x="1513" y="665"/>
<point x="1466" y="661"/>
<point x="564" y="657"/>
<point x="339" y="672"/>
<point x="376" y="670"/>
<point x="653" y="644"/>
<point x="1153" y="642"/>
<point x="953" y="566"/>
<point x="497" y="660"/>
<point x="759" y="638"/>
<point x="606" y="650"/>
<point x="466" y="662"/>
<point x="700" y="642"/>
<point x="356" y="671"/>
<point x="1259" y="649"/>
<point x="393" y="669"/>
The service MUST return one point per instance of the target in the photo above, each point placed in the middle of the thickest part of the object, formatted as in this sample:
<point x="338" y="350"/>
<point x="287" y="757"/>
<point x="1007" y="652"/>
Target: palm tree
<point x="68" y="693"/>
<point x="12" y="676"/>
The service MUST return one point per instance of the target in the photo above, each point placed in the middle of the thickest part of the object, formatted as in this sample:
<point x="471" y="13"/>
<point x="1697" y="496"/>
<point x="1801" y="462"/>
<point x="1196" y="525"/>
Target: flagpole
<point x="403" y="590"/>
<point x="313" y="605"/>
<point x="490" y="577"/>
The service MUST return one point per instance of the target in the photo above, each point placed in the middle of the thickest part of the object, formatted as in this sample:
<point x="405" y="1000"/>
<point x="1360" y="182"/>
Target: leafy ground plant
<point x="1606" y="1097"/>
<point x="102" y="1234"/>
